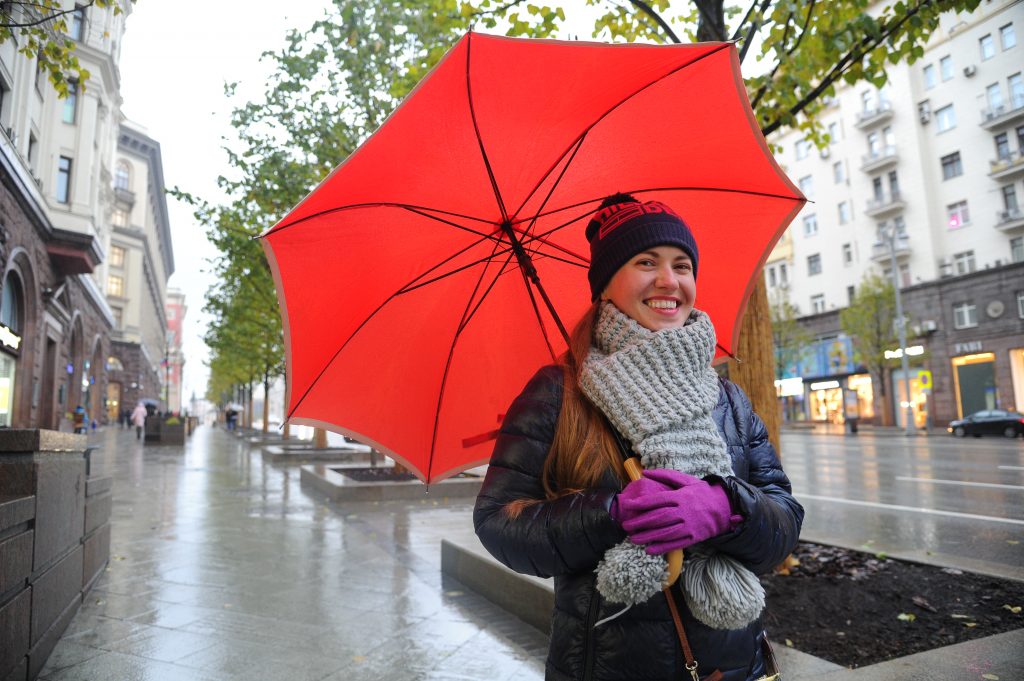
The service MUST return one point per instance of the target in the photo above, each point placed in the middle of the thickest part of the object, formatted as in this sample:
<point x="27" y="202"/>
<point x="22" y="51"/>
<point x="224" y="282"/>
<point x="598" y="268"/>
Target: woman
<point x="556" y="501"/>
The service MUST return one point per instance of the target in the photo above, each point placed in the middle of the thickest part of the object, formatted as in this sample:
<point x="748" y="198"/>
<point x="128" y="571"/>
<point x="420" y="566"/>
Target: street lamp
<point x="889" y="234"/>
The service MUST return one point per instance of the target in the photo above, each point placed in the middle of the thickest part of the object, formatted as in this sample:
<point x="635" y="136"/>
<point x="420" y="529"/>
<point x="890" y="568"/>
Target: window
<point x="64" y="180"/>
<point x="874" y="144"/>
<point x="1002" y="146"/>
<point x="1007" y="37"/>
<point x="810" y="225"/>
<point x="77" y="30"/>
<point x="951" y="166"/>
<point x="817" y="303"/>
<point x="1020" y="138"/>
<point x="802" y="149"/>
<point x="119" y="218"/>
<point x="900" y="226"/>
<point x="833" y="133"/>
<point x="894" y="185"/>
<point x="806" y="185"/>
<point x="994" y="96"/>
<point x="847" y="254"/>
<point x="946" y="67"/>
<point x="4" y="92"/>
<point x="813" y="264"/>
<point x="170" y="315"/>
<point x="929" y="76"/>
<point x="844" y="212"/>
<point x="39" y="73"/>
<point x="117" y="256"/>
<point x="988" y="47"/>
<point x="118" y="324"/>
<point x="122" y="176"/>
<point x="904" y="275"/>
<point x="10" y="304"/>
<point x="783" y="276"/>
<point x="772" y="282"/>
<point x="851" y="293"/>
<point x="1010" y="199"/>
<point x="1017" y="249"/>
<point x="888" y="136"/>
<point x="70" y="103"/>
<point x="1016" y="88"/>
<point x="965" y="315"/>
<point x="33" y="151"/>
<point x="945" y="118"/>
<point x="876" y="189"/>
<point x="958" y="214"/>
<point x="964" y="262"/>
<point x="839" y="171"/>
<point x="115" y="285"/>
<point x="865" y="101"/>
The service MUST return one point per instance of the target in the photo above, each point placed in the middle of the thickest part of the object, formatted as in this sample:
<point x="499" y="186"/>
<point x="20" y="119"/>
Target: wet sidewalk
<point x="223" y="568"/>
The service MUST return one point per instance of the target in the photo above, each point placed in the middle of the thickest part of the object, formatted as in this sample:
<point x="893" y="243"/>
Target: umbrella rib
<point x="421" y="284"/>
<point x="615" y="106"/>
<point x="554" y="185"/>
<point x="419" y="210"/>
<point x="451" y="354"/>
<point x="476" y="131"/>
<point x="404" y="289"/>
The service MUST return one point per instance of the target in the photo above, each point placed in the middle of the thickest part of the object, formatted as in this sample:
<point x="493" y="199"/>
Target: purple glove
<point x="637" y="489"/>
<point x="676" y="518"/>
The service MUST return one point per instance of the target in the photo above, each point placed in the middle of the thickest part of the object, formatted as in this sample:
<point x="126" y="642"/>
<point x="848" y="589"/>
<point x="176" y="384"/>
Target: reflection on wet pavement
<point x="222" y="568"/>
<point x="876" y="492"/>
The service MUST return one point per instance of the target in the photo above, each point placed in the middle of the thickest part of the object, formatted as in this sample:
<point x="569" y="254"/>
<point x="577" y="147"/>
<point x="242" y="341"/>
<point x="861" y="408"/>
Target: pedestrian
<point x="230" y="418"/>
<point x="138" y="419"/>
<point x="556" y="500"/>
<point x="80" y="419"/>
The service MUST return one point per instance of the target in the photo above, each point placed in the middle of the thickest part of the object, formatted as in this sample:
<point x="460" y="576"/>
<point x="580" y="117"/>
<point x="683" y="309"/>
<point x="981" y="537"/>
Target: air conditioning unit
<point x="929" y="325"/>
<point x="970" y="70"/>
<point x="924" y="111"/>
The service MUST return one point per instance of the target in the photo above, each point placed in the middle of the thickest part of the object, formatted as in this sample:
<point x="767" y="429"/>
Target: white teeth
<point x="662" y="304"/>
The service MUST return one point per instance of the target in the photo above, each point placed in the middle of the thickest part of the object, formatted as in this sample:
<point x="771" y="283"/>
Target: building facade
<point x="135" y="274"/>
<point x="55" y="171"/>
<point x="934" y="163"/>
<point x="176" y="310"/>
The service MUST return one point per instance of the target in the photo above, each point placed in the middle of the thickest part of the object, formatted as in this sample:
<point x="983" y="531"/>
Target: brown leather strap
<point x="691" y="664"/>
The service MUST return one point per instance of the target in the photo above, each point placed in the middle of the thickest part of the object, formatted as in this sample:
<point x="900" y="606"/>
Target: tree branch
<point x="43" y="20"/>
<point x="754" y="26"/>
<point x="646" y="9"/>
<point x="708" y="21"/>
<point x="851" y="57"/>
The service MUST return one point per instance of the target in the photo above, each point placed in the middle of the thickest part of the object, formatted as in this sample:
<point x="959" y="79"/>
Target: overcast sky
<point x="175" y="59"/>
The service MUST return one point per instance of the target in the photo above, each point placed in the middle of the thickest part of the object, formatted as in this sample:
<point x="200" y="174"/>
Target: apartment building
<point x="933" y="164"/>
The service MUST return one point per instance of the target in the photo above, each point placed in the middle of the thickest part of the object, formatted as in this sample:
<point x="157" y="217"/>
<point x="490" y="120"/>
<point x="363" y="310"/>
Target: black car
<point x="989" y="422"/>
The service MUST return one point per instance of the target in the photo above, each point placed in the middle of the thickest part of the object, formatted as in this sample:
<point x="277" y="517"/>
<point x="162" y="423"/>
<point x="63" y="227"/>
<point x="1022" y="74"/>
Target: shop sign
<point x="912" y="351"/>
<point x="9" y="338"/>
<point x="824" y="385"/>
<point x="964" y="348"/>
<point x="789" y="387"/>
<point x="924" y="378"/>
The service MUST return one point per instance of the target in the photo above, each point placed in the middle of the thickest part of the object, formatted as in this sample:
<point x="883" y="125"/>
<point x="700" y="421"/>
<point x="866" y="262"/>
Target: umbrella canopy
<point x="427" y="278"/>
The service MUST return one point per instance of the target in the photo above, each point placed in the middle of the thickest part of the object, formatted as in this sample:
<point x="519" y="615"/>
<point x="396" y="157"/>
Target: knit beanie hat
<point x="623" y="227"/>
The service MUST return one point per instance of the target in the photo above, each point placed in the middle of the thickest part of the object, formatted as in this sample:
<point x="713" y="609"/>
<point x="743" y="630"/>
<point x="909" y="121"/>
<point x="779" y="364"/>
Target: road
<point x="932" y="499"/>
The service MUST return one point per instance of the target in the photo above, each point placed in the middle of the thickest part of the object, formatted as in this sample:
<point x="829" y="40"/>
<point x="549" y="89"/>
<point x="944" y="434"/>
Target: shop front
<point x="918" y="397"/>
<point x="10" y="346"/>
<point x="1017" y="374"/>
<point x="974" y="380"/>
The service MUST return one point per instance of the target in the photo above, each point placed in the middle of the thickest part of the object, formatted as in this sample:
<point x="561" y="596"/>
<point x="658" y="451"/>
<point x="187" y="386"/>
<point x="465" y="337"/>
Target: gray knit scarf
<point x="658" y="390"/>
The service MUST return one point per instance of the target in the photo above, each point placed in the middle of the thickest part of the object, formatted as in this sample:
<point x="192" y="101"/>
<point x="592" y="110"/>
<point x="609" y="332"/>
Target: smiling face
<point x="656" y="288"/>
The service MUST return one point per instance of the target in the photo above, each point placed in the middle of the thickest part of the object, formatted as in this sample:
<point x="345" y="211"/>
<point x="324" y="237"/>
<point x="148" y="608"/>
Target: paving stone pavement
<point x="223" y="568"/>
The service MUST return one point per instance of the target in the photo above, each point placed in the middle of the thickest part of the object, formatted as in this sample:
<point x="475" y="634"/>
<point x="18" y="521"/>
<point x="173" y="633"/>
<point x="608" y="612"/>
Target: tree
<point x="810" y="46"/>
<point x="42" y="32"/>
<point x="870" y="322"/>
<point x="788" y="336"/>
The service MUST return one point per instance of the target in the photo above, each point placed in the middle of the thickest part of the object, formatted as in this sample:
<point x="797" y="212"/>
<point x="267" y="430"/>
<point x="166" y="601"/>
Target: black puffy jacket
<point x="566" y="537"/>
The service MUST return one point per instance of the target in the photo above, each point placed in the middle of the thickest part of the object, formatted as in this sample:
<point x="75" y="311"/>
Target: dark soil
<point x="382" y="474"/>
<point x="856" y="609"/>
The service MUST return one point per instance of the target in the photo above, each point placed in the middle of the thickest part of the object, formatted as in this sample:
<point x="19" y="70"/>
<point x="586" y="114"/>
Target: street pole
<point x="889" y="234"/>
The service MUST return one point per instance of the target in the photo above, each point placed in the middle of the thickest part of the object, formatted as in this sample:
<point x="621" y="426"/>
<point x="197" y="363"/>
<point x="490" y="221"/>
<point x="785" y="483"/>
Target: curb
<point x="326" y="480"/>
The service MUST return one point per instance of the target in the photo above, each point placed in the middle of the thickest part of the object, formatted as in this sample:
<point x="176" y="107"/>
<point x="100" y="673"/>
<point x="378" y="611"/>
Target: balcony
<point x="879" y="159"/>
<point x="1006" y="166"/>
<point x="996" y="116"/>
<point x="869" y="118"/>
<point x="884" y="206"/>
<point x="880" y="249"/>
<point x="1010" y="219"/>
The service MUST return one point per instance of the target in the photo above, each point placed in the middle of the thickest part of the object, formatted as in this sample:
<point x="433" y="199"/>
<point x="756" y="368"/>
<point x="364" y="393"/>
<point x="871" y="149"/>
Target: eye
<point x="683" y="266"/>
<point x="645" y="262"/>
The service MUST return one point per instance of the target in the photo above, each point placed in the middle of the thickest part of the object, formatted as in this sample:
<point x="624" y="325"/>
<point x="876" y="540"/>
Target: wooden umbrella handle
<point x="675" y="558"/>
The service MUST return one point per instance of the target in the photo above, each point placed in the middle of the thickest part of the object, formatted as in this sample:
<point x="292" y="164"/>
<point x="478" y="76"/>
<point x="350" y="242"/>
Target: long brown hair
<point x="584" y="448"/>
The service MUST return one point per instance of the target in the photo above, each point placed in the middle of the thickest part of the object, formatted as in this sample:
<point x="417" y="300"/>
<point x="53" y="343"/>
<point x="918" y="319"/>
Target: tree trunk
<point x="756" y="352"/>
<point x="883" y="416"/>
<point x="711" y="25"/>
<point x="248" y="407"/>
<point x="319" y="438"/>
<point x="266" y="403"/>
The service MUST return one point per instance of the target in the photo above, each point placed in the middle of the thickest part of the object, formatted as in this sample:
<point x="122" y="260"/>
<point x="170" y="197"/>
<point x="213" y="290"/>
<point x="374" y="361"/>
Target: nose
<point x="665" y="277"/>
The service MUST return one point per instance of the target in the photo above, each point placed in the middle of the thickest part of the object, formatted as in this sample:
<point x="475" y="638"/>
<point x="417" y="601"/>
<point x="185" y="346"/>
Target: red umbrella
<point x="427" y="278"/>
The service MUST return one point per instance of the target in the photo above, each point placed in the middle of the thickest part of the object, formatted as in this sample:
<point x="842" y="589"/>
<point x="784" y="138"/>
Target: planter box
<point x="171" y="434"/>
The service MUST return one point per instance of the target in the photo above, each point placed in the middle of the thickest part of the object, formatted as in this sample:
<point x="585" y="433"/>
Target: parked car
<point x="989" y="422"/>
